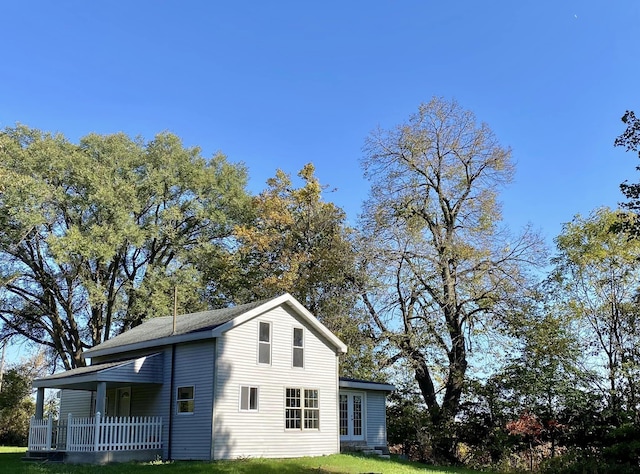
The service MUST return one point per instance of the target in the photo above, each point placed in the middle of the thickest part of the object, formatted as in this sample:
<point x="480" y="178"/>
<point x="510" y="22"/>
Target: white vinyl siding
<point x="145" y="399"/>
<point x="76" y="402"/>
<point x="263" y="433"/>
<point x="376" y="423"/>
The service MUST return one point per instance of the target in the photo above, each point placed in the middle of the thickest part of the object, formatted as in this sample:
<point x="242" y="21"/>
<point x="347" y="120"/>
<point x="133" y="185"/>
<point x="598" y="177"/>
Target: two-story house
<point x="256" y="380"/>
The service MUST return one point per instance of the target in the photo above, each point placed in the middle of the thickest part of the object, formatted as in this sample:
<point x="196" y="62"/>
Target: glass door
<point x="351" y="416"/>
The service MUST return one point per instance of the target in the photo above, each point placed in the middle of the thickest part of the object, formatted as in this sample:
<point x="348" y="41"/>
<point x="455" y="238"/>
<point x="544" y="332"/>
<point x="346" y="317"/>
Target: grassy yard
<point x="337" y="464"/>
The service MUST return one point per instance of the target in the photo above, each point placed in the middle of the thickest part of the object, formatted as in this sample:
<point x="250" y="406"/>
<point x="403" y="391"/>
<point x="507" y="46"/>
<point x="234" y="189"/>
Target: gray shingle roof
<point x="85" y="370"/>
<point x="162" y="327"/>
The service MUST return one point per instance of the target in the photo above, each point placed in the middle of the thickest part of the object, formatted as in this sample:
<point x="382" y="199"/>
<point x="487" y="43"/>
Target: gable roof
<point x="204" y="325"/>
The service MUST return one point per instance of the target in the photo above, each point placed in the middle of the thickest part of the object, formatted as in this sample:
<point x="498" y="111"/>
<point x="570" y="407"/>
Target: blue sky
<point x="278" y="84"/>
<point x="281" y="83"/>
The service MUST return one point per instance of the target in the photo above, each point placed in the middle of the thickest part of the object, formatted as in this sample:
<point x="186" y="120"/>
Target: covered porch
<point x="105" y="427"/>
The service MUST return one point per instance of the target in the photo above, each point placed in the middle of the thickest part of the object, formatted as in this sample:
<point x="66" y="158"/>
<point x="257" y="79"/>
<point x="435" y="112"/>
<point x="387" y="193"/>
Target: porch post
<point x="101" y="397"/>
<point x="40" y="403"/>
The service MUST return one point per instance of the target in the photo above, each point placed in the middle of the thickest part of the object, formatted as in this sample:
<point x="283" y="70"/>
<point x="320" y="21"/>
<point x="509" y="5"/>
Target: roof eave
<point x="359" y="384"/>
<point x="64" y="382"/>
<point x="163" y="341"/>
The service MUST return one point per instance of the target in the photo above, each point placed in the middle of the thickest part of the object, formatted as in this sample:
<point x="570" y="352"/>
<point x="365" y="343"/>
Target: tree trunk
<point x="441" y="419"/>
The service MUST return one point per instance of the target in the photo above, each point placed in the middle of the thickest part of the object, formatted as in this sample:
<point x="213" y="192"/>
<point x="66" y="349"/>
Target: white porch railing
<point x="96" y="434"/>
<point x="40" y="434"/>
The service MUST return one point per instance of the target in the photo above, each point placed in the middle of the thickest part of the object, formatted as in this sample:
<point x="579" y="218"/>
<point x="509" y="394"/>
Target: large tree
<point x="94" y="235"/>
<point x="441" y="270"/>
<point x="597" y="274"/>
<point x="297" y="242"/>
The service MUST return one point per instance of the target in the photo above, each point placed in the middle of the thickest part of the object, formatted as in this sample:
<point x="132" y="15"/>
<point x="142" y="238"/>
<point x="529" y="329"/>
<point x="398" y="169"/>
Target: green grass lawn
<point x="337" y="464"/>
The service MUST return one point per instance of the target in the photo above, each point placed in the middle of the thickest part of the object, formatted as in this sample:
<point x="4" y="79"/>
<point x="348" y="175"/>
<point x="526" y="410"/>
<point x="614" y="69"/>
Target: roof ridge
<point x="161" y="327"/>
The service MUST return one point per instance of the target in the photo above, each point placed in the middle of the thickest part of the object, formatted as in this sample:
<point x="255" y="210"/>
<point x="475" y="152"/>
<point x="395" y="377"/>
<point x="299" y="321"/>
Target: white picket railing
<point x="97" y="434"/>
<point x="40" y="434"/>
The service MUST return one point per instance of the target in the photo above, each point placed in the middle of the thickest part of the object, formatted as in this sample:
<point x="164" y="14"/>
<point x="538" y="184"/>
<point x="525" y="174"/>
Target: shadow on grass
<point x="10" y="462"/>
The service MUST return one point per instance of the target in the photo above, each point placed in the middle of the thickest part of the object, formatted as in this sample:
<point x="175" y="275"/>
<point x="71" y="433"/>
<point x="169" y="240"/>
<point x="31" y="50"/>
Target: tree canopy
<point x="297" y="242"/>
<point x="95" y="235"/>
<point x="597" y="271"/>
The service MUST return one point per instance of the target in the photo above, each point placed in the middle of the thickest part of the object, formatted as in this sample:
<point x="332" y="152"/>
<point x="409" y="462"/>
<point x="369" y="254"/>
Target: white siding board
<point x="263" y="434"/>
<point x="76" y="402"/>
<point x="146" y="401"/>
<point x="376" y="419"/>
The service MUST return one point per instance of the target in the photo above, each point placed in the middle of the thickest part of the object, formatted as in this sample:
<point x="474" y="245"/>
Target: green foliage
<point x="578" y="462"/>
<point x="597" y="276"/>
<point x="407" y="422"/>
<point x="623" y="446"/>
<point x="95" y="235"/>
<point x="16" y="407"/>
<point x="300" y="244"/>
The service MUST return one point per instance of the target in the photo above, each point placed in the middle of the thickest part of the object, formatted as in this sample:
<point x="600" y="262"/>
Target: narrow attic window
<point x="264" y="343"/>
<point x="298" y="347"/>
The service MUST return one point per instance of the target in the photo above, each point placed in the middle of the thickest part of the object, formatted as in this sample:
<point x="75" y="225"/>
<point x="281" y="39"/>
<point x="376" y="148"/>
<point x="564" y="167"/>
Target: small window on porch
<point x="185" y="400"/>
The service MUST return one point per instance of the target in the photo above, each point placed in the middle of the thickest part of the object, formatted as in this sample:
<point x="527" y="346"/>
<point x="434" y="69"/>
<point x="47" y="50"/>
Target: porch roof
<point x="147" y="369"/>
<point x="346" y="382"/>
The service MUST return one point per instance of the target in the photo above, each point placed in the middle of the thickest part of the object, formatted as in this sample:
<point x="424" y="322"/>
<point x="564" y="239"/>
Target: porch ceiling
<point x="147" y="369"/>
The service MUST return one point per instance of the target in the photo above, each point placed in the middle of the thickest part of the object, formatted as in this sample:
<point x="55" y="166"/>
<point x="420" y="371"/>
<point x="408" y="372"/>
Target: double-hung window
<point x="293" y="409"/>
<point x="311" y="410"/>
<point x="298" y="347"/>
<point x="185" y="400"/>
<point x="302" y="409"/>
<point x="264" y="343"/>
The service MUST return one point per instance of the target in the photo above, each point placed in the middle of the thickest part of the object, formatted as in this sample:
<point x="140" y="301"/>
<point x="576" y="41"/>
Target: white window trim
<point x="294" y="347"/>
<point x="249" y="410"/>
<point x="261" y="342"/>
<point x="178" y="400"/>
<point x="303" y="409"/>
